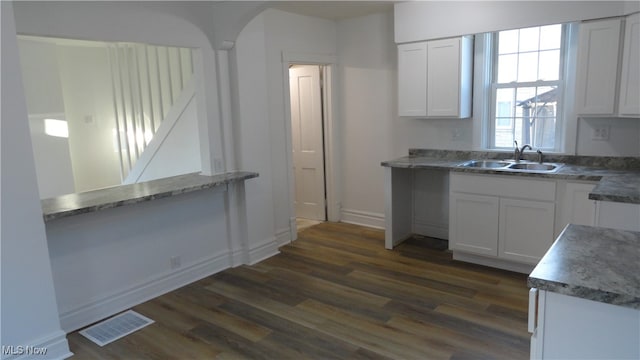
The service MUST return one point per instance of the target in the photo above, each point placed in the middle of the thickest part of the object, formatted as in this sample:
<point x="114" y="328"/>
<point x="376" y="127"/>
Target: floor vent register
<point x="116" y="327"/>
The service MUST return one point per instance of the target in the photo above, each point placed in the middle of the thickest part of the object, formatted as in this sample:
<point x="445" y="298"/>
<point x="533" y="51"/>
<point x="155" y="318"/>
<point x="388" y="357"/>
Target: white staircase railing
<point x="146" y="82"/>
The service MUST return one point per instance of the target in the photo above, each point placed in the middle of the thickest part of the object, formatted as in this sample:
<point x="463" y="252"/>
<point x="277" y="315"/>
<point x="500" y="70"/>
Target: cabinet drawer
<point x="504" y="186"/>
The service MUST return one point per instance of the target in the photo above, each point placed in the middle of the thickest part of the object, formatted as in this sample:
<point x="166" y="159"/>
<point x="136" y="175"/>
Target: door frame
<point x="332" y="185"/>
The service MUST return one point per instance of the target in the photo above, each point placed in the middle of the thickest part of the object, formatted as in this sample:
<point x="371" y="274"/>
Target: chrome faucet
<point x="517" y="153"/>
<point x="539" y="156"/>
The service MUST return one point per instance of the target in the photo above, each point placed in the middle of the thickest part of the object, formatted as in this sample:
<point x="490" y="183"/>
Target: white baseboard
<point x="263" y="251"/>
<point x="283" y="237"/>
<point x="238" y="257"/>
<point x="54" y="346"/>
<point x="364" y="218"/>
<point x="115" y="303"/>
<point x="439" y="231"/>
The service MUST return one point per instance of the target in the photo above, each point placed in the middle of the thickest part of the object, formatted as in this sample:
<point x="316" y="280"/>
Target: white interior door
<point x="306" y="129"/>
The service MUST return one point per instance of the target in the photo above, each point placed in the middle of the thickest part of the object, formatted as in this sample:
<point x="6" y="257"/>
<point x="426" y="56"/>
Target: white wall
<point x="254" y="146"/>
<point x="43" y="92"/>
<point x="367" y="78"/>
<point x="88" y="99"/>
<point x="260" y="109"/>
<point x="107" y="261"/>
<point x="28" y="308"/>
<point x="624" y="137"/>
<point x="39" y="63"/>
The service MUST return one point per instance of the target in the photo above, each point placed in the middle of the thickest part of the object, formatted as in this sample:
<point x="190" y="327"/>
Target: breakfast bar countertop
<point x="592" y="263"/>
<point x="95" y="200"/>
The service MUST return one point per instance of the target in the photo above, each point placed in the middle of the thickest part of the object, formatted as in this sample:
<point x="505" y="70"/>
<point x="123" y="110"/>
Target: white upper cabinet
<point x="630" y="78"/>
<point x="598" y="66"/>
<point x="603" y="87"/>
<point x="449" y="65"/>
<point x="412" y="74"/>
<point x="435" y="78"/>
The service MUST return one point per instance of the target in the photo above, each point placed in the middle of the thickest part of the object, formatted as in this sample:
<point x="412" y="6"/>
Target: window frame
<point x="561" y="85"/>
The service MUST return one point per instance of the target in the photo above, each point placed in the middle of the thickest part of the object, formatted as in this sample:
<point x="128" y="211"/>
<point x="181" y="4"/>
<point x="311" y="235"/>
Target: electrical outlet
<point x="600" y="132"/>
<point x="175" y="262"/>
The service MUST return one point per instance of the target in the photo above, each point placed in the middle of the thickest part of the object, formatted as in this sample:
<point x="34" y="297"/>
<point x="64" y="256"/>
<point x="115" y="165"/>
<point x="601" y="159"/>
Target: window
<point x="526" y="87"/>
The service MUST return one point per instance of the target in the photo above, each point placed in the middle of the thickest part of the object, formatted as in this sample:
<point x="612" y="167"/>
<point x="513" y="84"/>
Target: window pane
<point x="504" y="102"/>
<point x="524" y="101"/>
<point x="550" y="37"/>
<point x="526" y="114"/>
<point x="508" y="42"/>
<point x="528" y="67"/>
<point x="504" y="137"/>
<point x="529" y="39"/>
<point x="507" y="68"/>
<point x="549" y="65"/>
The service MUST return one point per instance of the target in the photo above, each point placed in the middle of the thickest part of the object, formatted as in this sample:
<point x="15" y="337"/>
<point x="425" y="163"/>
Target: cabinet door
<point x="526" y="229"/>
<point x="598" y="67"/>
<point x="443" y="77"/>
<point x="412" y="79"/>
<point x="615" y="215"/>
<point x="630" y="79"/>
<point x="575" y="206"/>
<point x="473" y="223"/>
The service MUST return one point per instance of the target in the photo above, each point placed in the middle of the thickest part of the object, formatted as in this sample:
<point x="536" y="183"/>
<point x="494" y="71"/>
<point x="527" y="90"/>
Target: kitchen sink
<point x="533" y="166"/>
<point x="511" y="165"/>
<point x="488" y="164"/>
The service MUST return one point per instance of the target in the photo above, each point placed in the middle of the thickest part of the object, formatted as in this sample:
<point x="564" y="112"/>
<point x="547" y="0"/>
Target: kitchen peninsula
<point x="585" y="296"/>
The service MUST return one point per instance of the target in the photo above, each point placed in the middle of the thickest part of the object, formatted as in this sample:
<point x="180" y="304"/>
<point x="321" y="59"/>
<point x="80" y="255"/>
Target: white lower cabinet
<point x="568" y="327"/>
<point x="615" y="215"/>
<point x="574" y="205"/>
<point x="505" y="218"/>
<point x="473" y="223"/>
<point x="526" y="229"/>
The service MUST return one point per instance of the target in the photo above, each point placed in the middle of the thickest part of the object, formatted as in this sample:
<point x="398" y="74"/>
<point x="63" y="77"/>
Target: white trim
<point x="364" y="218"/>
<point x="55" y="345"/>
<point x="308" y="58"/>
<point x="293" y="228"/>
<point x="188" y="94"/>
<point x="330" y="145"/>
<point x="139" y="293"/>
<point x="332" y="178"/>
<point x="264" y="250"/>
<point x="283" y="236"/>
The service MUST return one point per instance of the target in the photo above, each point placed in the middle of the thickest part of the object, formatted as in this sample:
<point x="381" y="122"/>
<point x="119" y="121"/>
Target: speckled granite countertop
<point x="618" y="178"/>
<point x="592" y="263"/>
<point x="91" y="201"/>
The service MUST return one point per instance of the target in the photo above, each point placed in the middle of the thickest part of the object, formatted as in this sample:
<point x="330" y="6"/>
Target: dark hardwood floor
<point x="336" y="293"/>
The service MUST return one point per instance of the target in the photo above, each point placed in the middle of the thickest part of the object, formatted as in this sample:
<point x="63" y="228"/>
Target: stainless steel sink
<point x="533" y="166"/>
<point x="487" y="164"/>
<point x="507" y="165"/>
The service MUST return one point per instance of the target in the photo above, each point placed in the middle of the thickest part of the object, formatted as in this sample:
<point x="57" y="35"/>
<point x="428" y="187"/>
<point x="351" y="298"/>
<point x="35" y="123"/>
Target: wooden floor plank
<point x="336" y="293"/>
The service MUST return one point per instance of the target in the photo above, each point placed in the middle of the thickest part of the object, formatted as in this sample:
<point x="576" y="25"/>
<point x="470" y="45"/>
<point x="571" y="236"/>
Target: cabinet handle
<point x="533" y="310"/>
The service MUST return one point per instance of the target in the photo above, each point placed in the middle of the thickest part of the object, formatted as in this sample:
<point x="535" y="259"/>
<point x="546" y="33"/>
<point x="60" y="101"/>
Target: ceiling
<point x="333" y="10"/>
